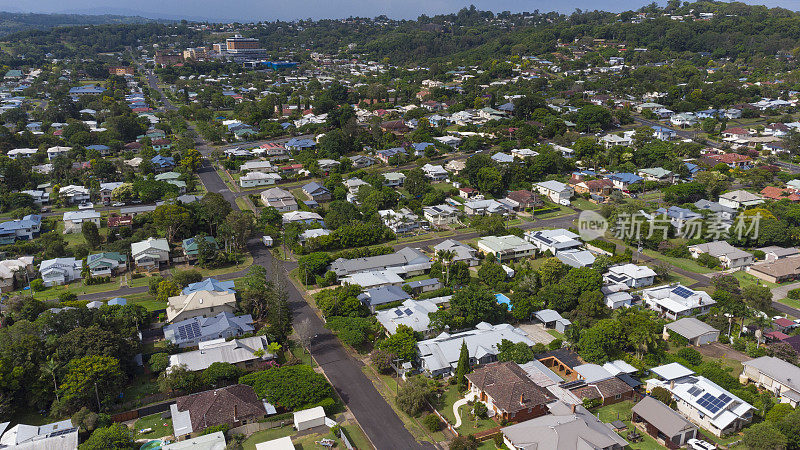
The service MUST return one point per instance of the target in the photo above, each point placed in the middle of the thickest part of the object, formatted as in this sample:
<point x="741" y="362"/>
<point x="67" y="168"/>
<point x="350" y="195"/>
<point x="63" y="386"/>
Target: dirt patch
<point x="717" y="350"/>
<point x="537" y="333"/>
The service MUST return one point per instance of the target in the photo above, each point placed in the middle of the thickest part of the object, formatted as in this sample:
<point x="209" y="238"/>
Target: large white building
<point x="675" y="301"/>
<point x="506" y="248"/>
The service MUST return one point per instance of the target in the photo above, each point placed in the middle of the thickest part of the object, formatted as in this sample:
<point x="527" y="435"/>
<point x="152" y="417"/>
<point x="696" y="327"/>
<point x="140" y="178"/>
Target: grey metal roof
<point x="662" y="417"/>
<point x="779" y="370"/>
<point x="691" y="328"/>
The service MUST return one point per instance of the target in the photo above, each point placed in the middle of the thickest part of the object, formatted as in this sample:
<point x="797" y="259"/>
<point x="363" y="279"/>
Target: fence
<point x="141" y="412"/>
<point x="250" y="428"/>
<point x="344" y="439"/>
<point x="443" y="419"/>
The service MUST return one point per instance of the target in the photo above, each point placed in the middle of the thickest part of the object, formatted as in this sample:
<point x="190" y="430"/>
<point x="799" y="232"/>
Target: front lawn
<point x="446" y="401"/>
<point x="681" y="263"/>
<point x="622" y="411"/>
<point x="160" y="427"/>
<point x="267" y="435"/>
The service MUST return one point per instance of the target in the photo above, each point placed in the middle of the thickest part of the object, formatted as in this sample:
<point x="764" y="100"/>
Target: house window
<point x="618" y="396"/>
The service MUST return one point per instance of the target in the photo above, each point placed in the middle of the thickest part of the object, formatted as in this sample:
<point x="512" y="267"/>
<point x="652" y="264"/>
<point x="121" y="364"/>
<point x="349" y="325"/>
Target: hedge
<point x="794" y="294"/>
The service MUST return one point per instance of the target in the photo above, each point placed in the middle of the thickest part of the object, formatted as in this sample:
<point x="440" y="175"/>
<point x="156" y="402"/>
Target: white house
<point x="506" y="248"/>
<point x="74" y="194"/>
<point x="55" y="152"/>
<point x="630" y="275"/>
<point x="434" y="172"/>
<point x="729" y="256"/>
<point x="74" y="220"/>
<point x="254" y="179"/>
<point x="675" y="301"/>
<point x="557" y="191"/>
<point x="441" y="215"/>
<point x="740" y="199"/>
<point x="553" y="241"/>
<point x="151" y="253"/>
<point x="60" y="271"/>
<point x="280" y="199"/>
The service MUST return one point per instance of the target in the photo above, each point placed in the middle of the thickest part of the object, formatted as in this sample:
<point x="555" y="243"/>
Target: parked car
<point x="118" y="204"/>
<point x="86" y="205"/>
<point x="698" y="444"/>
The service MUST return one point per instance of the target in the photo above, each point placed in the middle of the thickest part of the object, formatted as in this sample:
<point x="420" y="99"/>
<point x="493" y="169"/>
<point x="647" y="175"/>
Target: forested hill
<point x="15" y="22"/>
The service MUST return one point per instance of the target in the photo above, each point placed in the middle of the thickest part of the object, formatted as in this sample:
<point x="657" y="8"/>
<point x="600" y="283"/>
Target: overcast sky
<point x="255" y="10"/>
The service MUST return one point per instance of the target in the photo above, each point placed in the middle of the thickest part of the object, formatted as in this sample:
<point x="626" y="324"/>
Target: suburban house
<point x="630" y="275"/>
<point x="461" y="251"/>
<point x="486" y="207"/>
<point x="667" y="427"/>
<point x="411" y="313"/>
<point x="600" y="187"/>
<point x="151" y="253"/>
<point x="595" y="382"/>
<point x="506" y="248"/>
<point x="257" y="166"/>
<point x="210" y="284"/>
<point x="702" y="401"/>
<point x="191" y="246"/>
<point x="408" y="261"/>
<point x="675" y="301"/>
<point x="61" y="435"/>
<point x="576" y="257"/>
<point x="233" y="406"/>
<point x="434" y="172"/>
<point x="624" y="180"/>
<point x="556" y="191"/>
<point x="378" y="296"/>
<point x="402" y="221"/>
<point x="249" y="353"/>
<point x="372" y="279"/>
<point x="740" y="199"/>
<point x="566" y="427"/>
<point x="190" y="332"/>
<point x="26" y="228"/>
<point x="107" y="189"/>
<point x="775" y="375"/>
<point x="280" y="199"/>
<point x="733" y="160"/>
<point x="523" y="199"/>
<point x="200" y="303"/>
<point x="506" y="389"/>
<point x="552" y="319"/>
<point x="774" y="253"/>
<point x="553" y="241"/>
<point x="393" y="179"/>
<point x="777" y="270"/>
<point x="60" y="271"/>
<point x="254" y="179"/>
<point x="695" y="331"/>
<point x="74" y="194"/>
<point x="317" y="192"/>
<point x="680" y="217"/>
<point x="439" y="355"/>
<point x="306" y="217"/>
<point x="658" y="174"/>
<point x="15" y="269"/>
<point x="441" y="215"/>
<point x="106" y="263"/>
<point x="729" y="256"/>
<point x="74" y="220"/>
<point x="722" y="213"/>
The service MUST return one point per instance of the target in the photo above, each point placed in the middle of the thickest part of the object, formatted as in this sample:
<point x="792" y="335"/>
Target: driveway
<point x="537" y="333"/>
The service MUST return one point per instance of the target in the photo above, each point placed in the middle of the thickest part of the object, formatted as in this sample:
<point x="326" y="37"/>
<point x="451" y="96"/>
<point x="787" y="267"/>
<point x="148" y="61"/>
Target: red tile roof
<point x="509" y="387"/>
<point x="227" y="405"/>
<point x="729" y="158"/>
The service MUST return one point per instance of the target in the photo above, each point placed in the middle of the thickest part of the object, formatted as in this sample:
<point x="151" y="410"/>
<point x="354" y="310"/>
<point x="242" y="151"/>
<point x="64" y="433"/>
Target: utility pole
<point x="97" y="396"/>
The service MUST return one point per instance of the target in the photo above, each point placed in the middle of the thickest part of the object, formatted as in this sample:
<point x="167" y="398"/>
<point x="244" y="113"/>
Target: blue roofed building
<point x="210" y="284"/>
<point x="299" y="144"/>
<point x="624" y="180"/>
<point x="89" y="89"/>
<point x="382" y="295"/>
<point x="190" y="332"/>
<point x="678" y="216"/>
<point x="163" y="163"/>
<point x="21" y="229"/>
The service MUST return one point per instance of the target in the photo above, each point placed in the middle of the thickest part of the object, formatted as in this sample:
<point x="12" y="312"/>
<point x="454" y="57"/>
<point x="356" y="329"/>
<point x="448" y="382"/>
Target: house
<point x="327" y="165"/>
<point x="151" y="253"/>
<point x="777" y="270"/>
<point x="576" y="257"/>
<point x="556" y="191"/>
<point x="383" y="295"/>
<point x="26" y="228"/>
<point x="624" y="180"/>
<point x="17" y="153"/>
<point x="722" y="213"/>
<point x="508" y="391"/>
<point x="393" y="179"/>
<point x="317" y="192"/>
<point x="675" y="301"/>
<point x="309" y="418"/>
<point x="134" y="211"/>
<point x="733" y="160"/>
<point x="60" y="271"/>
<point x="411" y="313"/>
<point x="596" y="383"/>
<point x="467" y="192"/>
<point x="740" y="199"/>
<point x="212" y="441"/>
<point x="439" y="355"/>
<point x="613" y="140"/>
<point x="106" y="189"/>
<point x="233" y="406"/>
<point x="408" y="261"/>
<point x="200" y="303"/>
<point x="402" y="221"/>
<point x="190" y="332"/>
<point x="600" y="187"/>
<point x="249" y="353"/>
<point x="106" y="263"/>
<point x="695" y="331"/>
<point x="210" y="284"/>
<point x="74" y="194"/>
<point x="389" y="153"/>
<point x="506" y="248"/>
<point x="486" y="207"/>
<point x="74" y="220"/>
<point x="774" y="253"/>
<point x="775" y="375"/>
<point x="680" y="218"/>
<point x="53" y="436"/>
<point x="373" y="279"/>
<point x="55" y="152"/>
<point x="441" y="215"/>
<point x="13" y="270"/>
<point x="729" y="256"/>
<point x="434" y="172"/>
<point x="502" y="158"/>
<point x="702" y="401"/>
<point x="279" y="199"/>
<point x="630" y="275"/>
<point x="254" y="179"/>
<point x="418" y="287"/>
<point x="523" y="199"/>
<point x="306" y="217"/>
<point x="566" y="427"/>
<point x="667" y="427"/>
<point x="461" y="252"/>
<point x="658" y="174"/>
<point x="523" y="153"/>
<point x="191" y="246"/>
<point x="553" y="241"/>
<point x="115" y="221"/>
<point x="455" y="166"/>
<point x="311" y="234"/>
<point x="553" y="320"/>
<point x="162" y="163"/>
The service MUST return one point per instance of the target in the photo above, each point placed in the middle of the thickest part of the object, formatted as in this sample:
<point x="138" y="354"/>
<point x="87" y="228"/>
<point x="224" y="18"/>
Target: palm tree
<point x="51" y="366"/>
<point x="446" y="258"/>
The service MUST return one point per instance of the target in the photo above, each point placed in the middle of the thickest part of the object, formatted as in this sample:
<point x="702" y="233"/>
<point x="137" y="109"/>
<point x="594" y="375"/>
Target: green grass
<point x="146" y="300"/>
<point x="681" y="263"/>
<point x="446" y="401"/>
<point x="582" y="203"/>
<point x="556" y="334"/>
<point x="244" y="264"/>
<point x="267" y="435"/>
<point x="77" y="288"/>
<point x="356" y="436"/>
<point x="156" y="423"/>
<point x="790" y="302"/>
<point x="445" y="187"/>
<point x="745" y="279"/>
<point x="243" y="204"/>
<point x="622" y="411"/>
<point x="469" y="424"/>
<point x="563" y="211"/>
<point x="140" y="387"/>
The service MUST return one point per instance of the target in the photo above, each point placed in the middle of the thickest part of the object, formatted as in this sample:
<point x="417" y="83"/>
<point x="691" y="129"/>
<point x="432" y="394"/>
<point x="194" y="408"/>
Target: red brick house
<point x="234" y="405"/>
<point x="508" y="391"/>
<point x="525" y="199"/>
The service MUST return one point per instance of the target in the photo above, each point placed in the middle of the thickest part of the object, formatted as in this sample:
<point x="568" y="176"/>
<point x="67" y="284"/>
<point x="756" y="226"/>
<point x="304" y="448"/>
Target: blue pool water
<point x="152" y="445"/>
<point x="503" y="300"/>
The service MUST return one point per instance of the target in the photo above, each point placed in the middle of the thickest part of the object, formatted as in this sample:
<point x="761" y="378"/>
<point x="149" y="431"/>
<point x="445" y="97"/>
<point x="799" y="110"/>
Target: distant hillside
<point x="15" y="22"/>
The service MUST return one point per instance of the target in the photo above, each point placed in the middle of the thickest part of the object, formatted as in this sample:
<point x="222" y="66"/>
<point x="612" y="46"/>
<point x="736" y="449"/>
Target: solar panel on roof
<point x="408" y="312"/>
<point x="62" y="432"/>
<point x="682" y="292"/>
<point x="398" y="312"/>
<point x="693" y="391"/>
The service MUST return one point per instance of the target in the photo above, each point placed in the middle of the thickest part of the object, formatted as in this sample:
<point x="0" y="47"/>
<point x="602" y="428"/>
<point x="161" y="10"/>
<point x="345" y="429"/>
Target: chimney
<point x="672" y="384"/>
<point x="234" y="413"/>
<point x="572" y="408"/>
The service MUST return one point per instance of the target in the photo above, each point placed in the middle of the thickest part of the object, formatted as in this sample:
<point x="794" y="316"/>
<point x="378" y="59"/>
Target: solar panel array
<point x="694" y="390"/>
<point x="62" y="432"/>
<point x="682" y="292"/>
<point x="714" y="404"/>
<point x="190" y="331"/>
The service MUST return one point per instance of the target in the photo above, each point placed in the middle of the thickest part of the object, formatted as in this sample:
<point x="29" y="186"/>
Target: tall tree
<point x="463" y="366"/>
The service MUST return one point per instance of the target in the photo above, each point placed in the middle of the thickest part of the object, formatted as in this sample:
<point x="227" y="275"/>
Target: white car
<point x="86" y="205"/>
<point x="118" y="204"/>
<point x="697" y="444"/>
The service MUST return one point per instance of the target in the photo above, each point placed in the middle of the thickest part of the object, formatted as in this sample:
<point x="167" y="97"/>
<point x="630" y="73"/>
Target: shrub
<point x="794" y="294"/>
<point x="158" y="362"/>
<point x="67" y="297"/>
<point x="691" y="355"/>
<point x="555" y="344"/>
<point x="432" y="423"/>
<point x="661" y="394"/>
<point x="37" y="285"/>
<point x="480" y="410"/>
